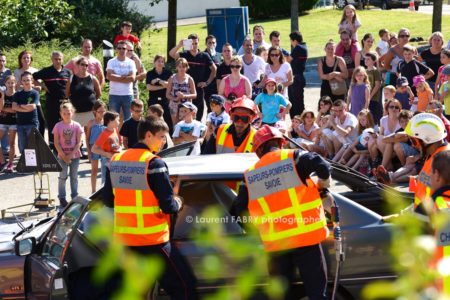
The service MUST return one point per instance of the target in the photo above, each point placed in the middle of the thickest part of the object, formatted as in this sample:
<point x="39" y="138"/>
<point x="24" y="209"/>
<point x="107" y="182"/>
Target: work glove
<point x="179" y="200"/>
<point x="323" y="184"/>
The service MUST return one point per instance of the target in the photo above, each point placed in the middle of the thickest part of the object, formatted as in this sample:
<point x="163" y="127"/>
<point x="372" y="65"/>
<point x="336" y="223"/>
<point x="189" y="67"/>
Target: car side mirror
<point x="25" y="246"/>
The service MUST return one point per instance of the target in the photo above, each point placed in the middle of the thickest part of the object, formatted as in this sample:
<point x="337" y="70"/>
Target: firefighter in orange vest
<point x="285" y="205"/>
<point x="427" y="133"/>
<point x="440" y="183"/>
<point x="137" y="186"/>
<point x="238" y="136"/>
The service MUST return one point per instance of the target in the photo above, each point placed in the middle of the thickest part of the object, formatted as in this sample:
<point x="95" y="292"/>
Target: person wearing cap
<point x="236" y="137"/>
<point x="217" y="116"/>
<point x="404" y="93"/>
<point x="427" y="134"/>
<point x="424" y="93"/>
<point x="273" y="105"/>
<point x="444" y="91"/>
<point x="188" y="129"/>
<point x="138" y="186"/>
<point x="279" y="192"/>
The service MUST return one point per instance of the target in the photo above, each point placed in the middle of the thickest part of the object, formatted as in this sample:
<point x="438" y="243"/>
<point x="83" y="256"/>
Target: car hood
<point x="10" y="232"/>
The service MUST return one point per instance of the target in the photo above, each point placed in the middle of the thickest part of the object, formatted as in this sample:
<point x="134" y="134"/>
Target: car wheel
<point x="384" y="5"/>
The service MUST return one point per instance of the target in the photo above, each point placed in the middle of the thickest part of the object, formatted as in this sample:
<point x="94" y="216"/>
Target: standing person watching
<point x="298" y="58"/>
<point x="121" y="72"/>
<point x="258" y="40"/>
<point x="393" y="57"/>
<point x="279" y="70"/>
<point x="4" y="73"/>
<point x="94" y="65"/>
<point x="275" y="41"/>
<point x="297" y="246"/>
<point x="199" y="63"/>
<point x="126" y="35"/>
<point x="151" y="189"/>
<point x="432" y="56"/>
<point x="157" y="82"/>
<point x="216" y="57"/>
<point x="254" y="66"/>
<point x="331" y="67"/>
<point x="224" y="68"/>
<point x="55" y="79"/>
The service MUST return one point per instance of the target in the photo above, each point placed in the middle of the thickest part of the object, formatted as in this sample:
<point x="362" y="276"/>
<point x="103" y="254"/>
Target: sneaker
<point x="383" y="175"/>
<point x="9" y="168"/>
<point x="3" y="165"/>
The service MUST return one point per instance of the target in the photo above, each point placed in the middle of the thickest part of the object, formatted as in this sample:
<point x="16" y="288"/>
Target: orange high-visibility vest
<point x="423" y="188"/>
<point x="288" y="213"/>
<point x="224" y="141"/>
<point x="138" y="219"/>
<point x="442" y="205"/>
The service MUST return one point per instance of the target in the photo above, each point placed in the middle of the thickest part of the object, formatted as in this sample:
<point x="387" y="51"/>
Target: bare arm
<point x="290" y="79"/>
<point x="367" y="96"/>
<point x="174" y="51"/>
<point x="248" y="88"/>
<point x="357" y="59"/>
<point x="97" y="88"/>
<point x="96" y="149"/>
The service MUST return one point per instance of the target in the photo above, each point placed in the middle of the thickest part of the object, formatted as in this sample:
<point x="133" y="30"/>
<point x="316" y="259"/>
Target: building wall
<point x="185" y="8"/>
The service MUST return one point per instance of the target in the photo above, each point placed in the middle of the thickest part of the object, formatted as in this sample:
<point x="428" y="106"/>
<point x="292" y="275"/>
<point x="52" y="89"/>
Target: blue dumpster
<point x="228" y="25"/>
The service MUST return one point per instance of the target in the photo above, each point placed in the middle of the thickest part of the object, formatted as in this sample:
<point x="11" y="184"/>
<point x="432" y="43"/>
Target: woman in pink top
<point x="235" y="83"/>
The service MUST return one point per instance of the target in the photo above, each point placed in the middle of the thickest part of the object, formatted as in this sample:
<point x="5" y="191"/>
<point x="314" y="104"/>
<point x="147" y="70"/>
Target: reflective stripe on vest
<point x="138" y="219"/>
<point x="443" y="241"/>
<point x="288" y="213"/>
<point x="225" y="144"/>
<point x="423" y="189"/>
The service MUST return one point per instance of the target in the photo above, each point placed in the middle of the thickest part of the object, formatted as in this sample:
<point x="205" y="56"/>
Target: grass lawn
<point x="317" y="27"/>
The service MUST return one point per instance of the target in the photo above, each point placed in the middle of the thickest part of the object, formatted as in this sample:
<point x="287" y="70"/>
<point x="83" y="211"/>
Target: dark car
<point x="47" y="259"/>
<point x="388" y="4"/>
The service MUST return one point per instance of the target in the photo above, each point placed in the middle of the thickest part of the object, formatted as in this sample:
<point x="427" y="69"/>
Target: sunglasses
<point x="235" y="66"/>
<point x="394" y="107"/>
<point x="121" y="48"/>
<point x="243" y="118"/>
<point x="84" y="65"/>
<point x="403" y="36"/>
<point x="274" y="55"/>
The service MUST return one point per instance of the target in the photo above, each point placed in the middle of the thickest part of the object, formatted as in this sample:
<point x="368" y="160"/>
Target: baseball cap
<point x="446" y="70"/>
<point x="217" y="99"/>
<point x="418" y="79"/>
<point x="402" y="81"/>
<point x="189" y="105"/>
<point x="270" y="80"/>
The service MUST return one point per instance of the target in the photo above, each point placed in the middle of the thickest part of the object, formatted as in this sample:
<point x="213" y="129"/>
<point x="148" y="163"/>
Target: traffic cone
<point x="411" y="5"/>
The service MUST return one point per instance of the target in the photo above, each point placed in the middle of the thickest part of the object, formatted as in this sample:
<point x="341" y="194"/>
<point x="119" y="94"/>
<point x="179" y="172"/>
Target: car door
<point x="46" y="269"/>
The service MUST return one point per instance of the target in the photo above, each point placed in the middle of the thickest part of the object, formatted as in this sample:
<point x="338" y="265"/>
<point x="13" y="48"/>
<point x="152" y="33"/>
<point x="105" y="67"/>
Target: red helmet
<point x="244" y="102"/>
<point x="264" y="134"/>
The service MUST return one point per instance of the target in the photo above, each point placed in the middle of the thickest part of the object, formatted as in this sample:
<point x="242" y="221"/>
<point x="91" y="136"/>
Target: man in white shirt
<point x="258" y="40"/>
<point x="343" y="125"/>
<point x="121" y="72"/>
<point x="254" y="66"/>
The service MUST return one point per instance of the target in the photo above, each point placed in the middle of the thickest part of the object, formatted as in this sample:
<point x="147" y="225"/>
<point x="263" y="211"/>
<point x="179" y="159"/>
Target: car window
<point x="197" y="198"/>
<point x="184" y="149"/>
<point x="59" y="236"/>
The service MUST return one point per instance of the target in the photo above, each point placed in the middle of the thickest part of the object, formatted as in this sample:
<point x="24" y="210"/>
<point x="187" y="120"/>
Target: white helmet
<point x="365" y="135"/>
<point x="427" y="127"/>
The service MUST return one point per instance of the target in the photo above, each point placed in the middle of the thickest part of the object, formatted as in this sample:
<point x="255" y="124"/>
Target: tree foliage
<point x="32" y="20"/>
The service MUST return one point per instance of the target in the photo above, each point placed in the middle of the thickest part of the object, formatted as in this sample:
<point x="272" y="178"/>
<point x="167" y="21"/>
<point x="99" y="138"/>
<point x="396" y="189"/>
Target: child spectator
<point x="358" y="150"/>
<point x="324" y="106"/>
<point x="308" y="129"/>
<point x="93" y="130"/>
<point x="444" y="90"/>
<point x="410" y="67"/>
<point x="217" y="116"/>
<point x="440" y="79"/>
<point x="8" y="122"/>
<point x="383" y="44"/>
<point x="349" y="23"/>
<point x="180" y="88"/>
<point x="67" y="137"/>
<point x="25" y="104"/>
<point x="424" y="93"/>
<point x="273" y="105"/>
<point x="321" y="145"/>
<point x="389" y="93"/>
<point x="129" y="127"/>
<point x="261" y="51"/>
<point x="109" y="141"/>
<point x="359" y="91"/>
<point x="188" y="129"/>
<point x="155" y="110"/>
<point x="403" y="93"/>
<point x="293" y="131"/>
<point x="126" y="35"/>
<point x="374" y="76"/>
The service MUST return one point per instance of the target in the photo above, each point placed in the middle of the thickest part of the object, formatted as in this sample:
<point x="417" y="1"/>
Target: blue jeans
<point x="104" y="162"/>
<point x="23" y="131"/>
<point x="5" y="142"/>
<point x="74" y="163"/>
<point x="116" y="102"/>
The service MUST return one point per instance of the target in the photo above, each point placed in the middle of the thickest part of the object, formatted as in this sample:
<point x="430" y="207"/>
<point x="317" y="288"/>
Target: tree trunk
<point x="437" y="15"/>
<point x="171" y="27"/>
<point x="294" y="15"/>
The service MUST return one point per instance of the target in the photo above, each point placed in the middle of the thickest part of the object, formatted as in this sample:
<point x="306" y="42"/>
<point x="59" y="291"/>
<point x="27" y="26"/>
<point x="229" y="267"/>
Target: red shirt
<point x="130" y="38"/>
<point x="109" y="141"/>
